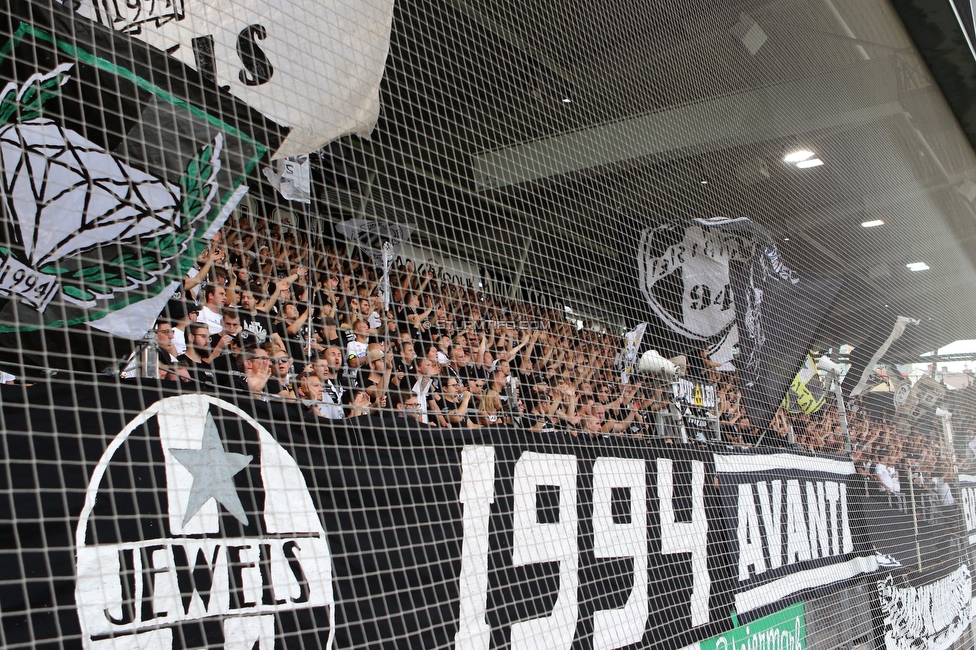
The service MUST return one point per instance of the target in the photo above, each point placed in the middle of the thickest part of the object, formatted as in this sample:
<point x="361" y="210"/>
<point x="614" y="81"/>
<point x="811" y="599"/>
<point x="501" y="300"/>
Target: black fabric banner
<point x="795" y="527"/>
<point x="191" y="521"/>
<point x="912" y="529"/>
<point x="187" y="520"/>
<point x="777" y="313"/>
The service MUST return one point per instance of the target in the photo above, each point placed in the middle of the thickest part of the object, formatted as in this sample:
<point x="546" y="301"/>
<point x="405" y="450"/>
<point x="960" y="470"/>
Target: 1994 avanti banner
<point x="169" y="521"/>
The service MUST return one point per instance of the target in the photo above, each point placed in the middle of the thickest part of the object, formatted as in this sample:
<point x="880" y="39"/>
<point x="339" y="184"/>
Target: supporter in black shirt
<point x="255" y="368"/>
<point x="407" y="405"/>
<point x="458" y="364"/>
<point x="326" y="368"/>
<point x="197" y="349"/>
<point x="226" y="367"/>
<point x="254" y="320"/>
<point x="404" y="374"/>
<point x="330" y="334"/>
<point x="294" y="332"/>
<point x="699" y="364"/>
<point x="416" y="317"/>
<point x="453" y="403"/>
<point x="167" y="348"/>
<point x="230" y="324"/>
<point x="542" y="416"/>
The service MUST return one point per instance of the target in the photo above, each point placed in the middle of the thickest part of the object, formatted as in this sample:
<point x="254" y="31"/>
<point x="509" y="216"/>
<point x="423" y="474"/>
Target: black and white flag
<point x="722" y="283"/>
<point x="866" y="356"/>
<point x="104" y="210"/>
<point x="626" y="360"/>
<point x="381" y="241"/>
<point x="683" y="273"/>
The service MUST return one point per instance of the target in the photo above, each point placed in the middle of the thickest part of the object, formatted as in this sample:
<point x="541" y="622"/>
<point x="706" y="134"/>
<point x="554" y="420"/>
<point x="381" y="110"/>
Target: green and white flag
<point x="104" y="208"/>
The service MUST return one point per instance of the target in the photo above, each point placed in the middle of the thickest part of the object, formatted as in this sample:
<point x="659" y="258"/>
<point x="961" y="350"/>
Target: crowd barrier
<point x="137" y="516"/>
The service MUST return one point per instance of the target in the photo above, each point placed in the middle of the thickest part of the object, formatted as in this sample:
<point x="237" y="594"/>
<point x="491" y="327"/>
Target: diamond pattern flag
<point x="103" y="217"/>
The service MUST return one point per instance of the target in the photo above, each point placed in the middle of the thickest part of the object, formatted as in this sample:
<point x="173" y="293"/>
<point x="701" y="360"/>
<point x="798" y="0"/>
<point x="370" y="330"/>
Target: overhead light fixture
<point x="968" y="189"/>
<point x="704" y="181"/>
<point x="567" y="100"/>
<point x="749" y="33"/>
<point x="917" y="266"/>
<point x="805" y="164"/>
<point x="797" y="156"/>
<point x="872" y="224"/>
<point x="786" y="239"/>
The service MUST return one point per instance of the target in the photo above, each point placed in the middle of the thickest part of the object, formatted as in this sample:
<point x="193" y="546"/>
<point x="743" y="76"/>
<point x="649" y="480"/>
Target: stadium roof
<point x="566" y="127"/>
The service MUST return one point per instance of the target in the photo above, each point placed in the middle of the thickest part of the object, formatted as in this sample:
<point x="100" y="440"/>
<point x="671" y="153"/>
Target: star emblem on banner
<point x="213" y="471"/>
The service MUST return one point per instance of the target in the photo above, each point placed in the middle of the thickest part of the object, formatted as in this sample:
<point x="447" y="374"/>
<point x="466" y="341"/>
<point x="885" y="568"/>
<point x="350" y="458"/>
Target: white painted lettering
<point x="244" y="632"/>
<point x="615" y="628"/>
<point x="556" y="541"/>
<point x="688" y="537"/>
<point x="816" y="511"/>
<point x="797" y="541"/>
<point x="772" y="520"/>
<point x="845" y="522"/>
<point x="832" y="491"/>
<point x="750" y="541"/>
<point x="477" y="493"/>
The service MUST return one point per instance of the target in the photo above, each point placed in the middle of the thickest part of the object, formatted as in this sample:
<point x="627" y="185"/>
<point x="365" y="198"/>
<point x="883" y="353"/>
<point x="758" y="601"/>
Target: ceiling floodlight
<point x="797" y="156"/>
<point x="917" y="266"/>
<point x="805" y="164"/>
<point x="872" y="224"/>
<point x="567" y="100"/>
<point x="748" y="31"/>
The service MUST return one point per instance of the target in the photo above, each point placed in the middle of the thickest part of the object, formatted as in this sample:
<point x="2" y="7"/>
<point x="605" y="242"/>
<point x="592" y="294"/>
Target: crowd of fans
<point x="268" y="313"/>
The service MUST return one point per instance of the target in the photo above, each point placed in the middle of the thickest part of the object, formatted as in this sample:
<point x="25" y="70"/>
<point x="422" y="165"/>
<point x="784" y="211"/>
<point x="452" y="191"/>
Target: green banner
<point x="784" y="630"/>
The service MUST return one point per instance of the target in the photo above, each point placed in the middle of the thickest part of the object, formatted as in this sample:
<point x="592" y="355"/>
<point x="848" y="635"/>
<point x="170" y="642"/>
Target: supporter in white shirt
<point x="326" y="368"/>
<point x="356" y="349"/>
<point x="887" y="475"/>
<point x="179" y="340"/>
<point x="375" y="321"/>
<point x="941" y="488"/>
<point x="426" y="370"/>
<point x="214" y="299"/>
<point x="181" y="314"/>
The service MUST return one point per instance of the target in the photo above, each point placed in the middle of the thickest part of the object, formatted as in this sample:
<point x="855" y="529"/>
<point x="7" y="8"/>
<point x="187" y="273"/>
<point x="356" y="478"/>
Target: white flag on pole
<point x="382" y="241"/>
<point x="627" y="357"/>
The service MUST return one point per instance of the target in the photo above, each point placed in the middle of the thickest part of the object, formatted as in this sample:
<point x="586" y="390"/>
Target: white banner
<point x="312" y="65"/>
<point x="292" y="177"/>
<point x="929" y="617"/>
<point x="896" y="331"/>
